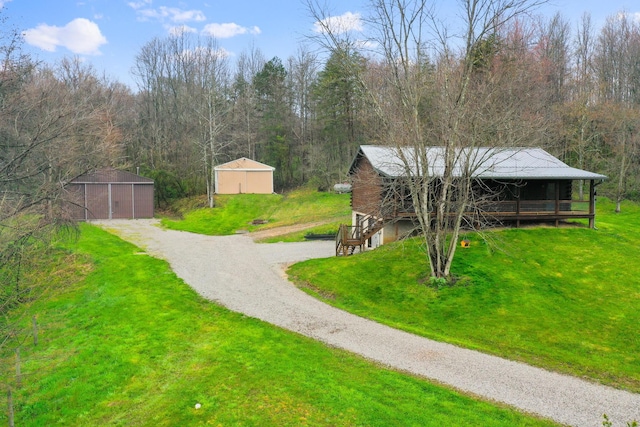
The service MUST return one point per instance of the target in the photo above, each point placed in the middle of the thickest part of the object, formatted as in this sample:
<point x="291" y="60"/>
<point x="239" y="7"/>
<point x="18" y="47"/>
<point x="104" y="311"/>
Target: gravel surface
<point x="247" y="277"/>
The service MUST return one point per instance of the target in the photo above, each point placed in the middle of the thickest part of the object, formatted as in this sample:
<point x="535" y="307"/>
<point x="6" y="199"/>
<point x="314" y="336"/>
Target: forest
<point x="529" y="81"/>
<point x="194" y="108"/>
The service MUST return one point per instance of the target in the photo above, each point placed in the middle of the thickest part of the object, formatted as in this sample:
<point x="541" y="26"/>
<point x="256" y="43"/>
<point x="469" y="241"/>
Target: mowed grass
<point x="237" y="212"/>
<point x="128" y="343"/>
<point x="566" y="299"/>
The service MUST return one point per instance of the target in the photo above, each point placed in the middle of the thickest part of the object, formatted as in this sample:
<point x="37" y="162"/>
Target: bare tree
<point x="185" y="102"/>
<point x="302" y="71"/>
<point x="583" y="54"/>
<point x="615" y="59"/>
<point x="618" y="77"/>
<point x="578" y="106"/>
<point x="555" y="47"/>
<point x="209" y="101"/>
<point x="55" y="124"/>
<point x="244" y="114"/>
<point x="444" y="93"/>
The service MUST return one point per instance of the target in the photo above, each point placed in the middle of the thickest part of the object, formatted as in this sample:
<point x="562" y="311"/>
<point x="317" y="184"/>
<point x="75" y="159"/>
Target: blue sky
<point x="109" y="33"/>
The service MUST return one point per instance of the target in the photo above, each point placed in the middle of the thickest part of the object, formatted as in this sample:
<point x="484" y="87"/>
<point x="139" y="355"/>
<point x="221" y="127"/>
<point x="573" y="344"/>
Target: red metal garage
<point x="112" y="194"/>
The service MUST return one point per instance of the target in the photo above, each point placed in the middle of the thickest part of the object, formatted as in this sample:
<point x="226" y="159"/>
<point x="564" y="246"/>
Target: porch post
<point x="519" y="193"/>
<point x="557" y="197"/>
<point x="592" y="203"/>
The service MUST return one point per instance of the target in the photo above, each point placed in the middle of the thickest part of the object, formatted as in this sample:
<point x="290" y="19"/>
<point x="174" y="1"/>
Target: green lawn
<point x="236" y="212"/>
<point x="126" y="342"/>
<point x="566" y="299"/>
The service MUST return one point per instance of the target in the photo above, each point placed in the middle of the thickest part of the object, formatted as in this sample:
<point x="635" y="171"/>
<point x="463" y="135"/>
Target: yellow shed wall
<point x="240" y="182"/>
<point x="260" y="182"/>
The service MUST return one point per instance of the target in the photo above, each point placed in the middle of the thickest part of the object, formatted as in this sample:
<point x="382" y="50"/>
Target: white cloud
<point x="80" y="36"/>
<point x="181" y="29"/>
<point x="3" y="2"/>
<point x="228" y="30"/>
<point x="339" y="24"/>
<point x="139" y="4"/>
<point x="172" y="14"/>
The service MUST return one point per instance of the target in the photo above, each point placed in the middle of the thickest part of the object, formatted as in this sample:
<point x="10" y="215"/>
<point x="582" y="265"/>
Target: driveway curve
<point x="247" y="277"/>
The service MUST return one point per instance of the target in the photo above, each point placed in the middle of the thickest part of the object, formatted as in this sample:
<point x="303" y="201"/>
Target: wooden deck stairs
<point x="350" y="237"/>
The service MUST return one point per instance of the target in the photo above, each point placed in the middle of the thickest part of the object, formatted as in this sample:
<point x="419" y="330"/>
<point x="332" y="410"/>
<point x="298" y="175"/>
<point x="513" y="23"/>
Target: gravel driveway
<point x="247" y="277"/>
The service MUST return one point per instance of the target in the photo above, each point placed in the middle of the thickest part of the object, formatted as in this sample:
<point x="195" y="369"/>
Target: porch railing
<point x="516" y="207"/>
<point x="565" y="207"/>
<point x="352" y="237"/>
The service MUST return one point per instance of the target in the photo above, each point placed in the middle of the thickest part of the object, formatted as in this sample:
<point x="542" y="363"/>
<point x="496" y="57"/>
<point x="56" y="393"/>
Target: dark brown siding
<point x="76" y="198"/>
<point x="111" y="175"/>
<point x="366" y="191"/>
<point x="97" y="201"/>
<point x="111" y="194"/>
<point x="121" y="201"/>
<point x="143" y="201"/>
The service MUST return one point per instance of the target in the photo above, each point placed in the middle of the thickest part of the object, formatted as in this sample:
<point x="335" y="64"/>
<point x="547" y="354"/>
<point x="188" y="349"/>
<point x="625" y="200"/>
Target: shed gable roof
<point x="110" y="175"/>
<point x="244" y="164"/>
<point x="485" y="163"/>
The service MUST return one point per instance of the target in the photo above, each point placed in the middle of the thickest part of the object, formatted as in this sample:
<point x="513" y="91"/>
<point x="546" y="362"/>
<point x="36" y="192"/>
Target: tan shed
<point x="111" y="194"/>
<point x="244" y="176"/>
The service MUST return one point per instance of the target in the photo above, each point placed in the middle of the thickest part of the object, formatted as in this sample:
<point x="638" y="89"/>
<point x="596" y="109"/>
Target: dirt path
<point x="245" y="277"/>
<point x="287" y="229"/>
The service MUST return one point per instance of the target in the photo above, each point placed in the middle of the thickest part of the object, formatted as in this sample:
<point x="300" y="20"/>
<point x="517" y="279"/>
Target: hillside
<point x="126" y="342"/>
<point x="565" y="299"/>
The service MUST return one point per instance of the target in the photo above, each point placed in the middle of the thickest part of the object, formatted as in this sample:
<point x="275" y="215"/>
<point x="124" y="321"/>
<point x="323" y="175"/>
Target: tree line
<point x="575" y="90"/>
<point x="194" y="108"/>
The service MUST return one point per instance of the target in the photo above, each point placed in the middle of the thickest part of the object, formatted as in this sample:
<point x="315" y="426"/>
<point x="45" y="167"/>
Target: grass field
<point x="125" y="342"/>
<point x="237" y="212"/>
<point x="565" y="299"/>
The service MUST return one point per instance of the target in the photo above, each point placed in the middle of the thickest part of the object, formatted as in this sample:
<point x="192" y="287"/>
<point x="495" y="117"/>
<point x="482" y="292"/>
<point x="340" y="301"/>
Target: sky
<point x="109" y="33"/>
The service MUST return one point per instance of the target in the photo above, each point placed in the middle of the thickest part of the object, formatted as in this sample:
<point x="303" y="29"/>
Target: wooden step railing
<point x="352" y="237"/>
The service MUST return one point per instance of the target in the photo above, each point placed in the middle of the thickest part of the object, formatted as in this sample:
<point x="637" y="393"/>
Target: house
<point x="243" y="176"/>
<point x="111" y="194"/>
<point x="525" y="184"/>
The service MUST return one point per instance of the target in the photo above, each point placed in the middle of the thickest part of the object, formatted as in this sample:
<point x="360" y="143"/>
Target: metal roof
<point x="244" y="164"/>
<point x="485" y="163"/>
<point x="110" y="175"/>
